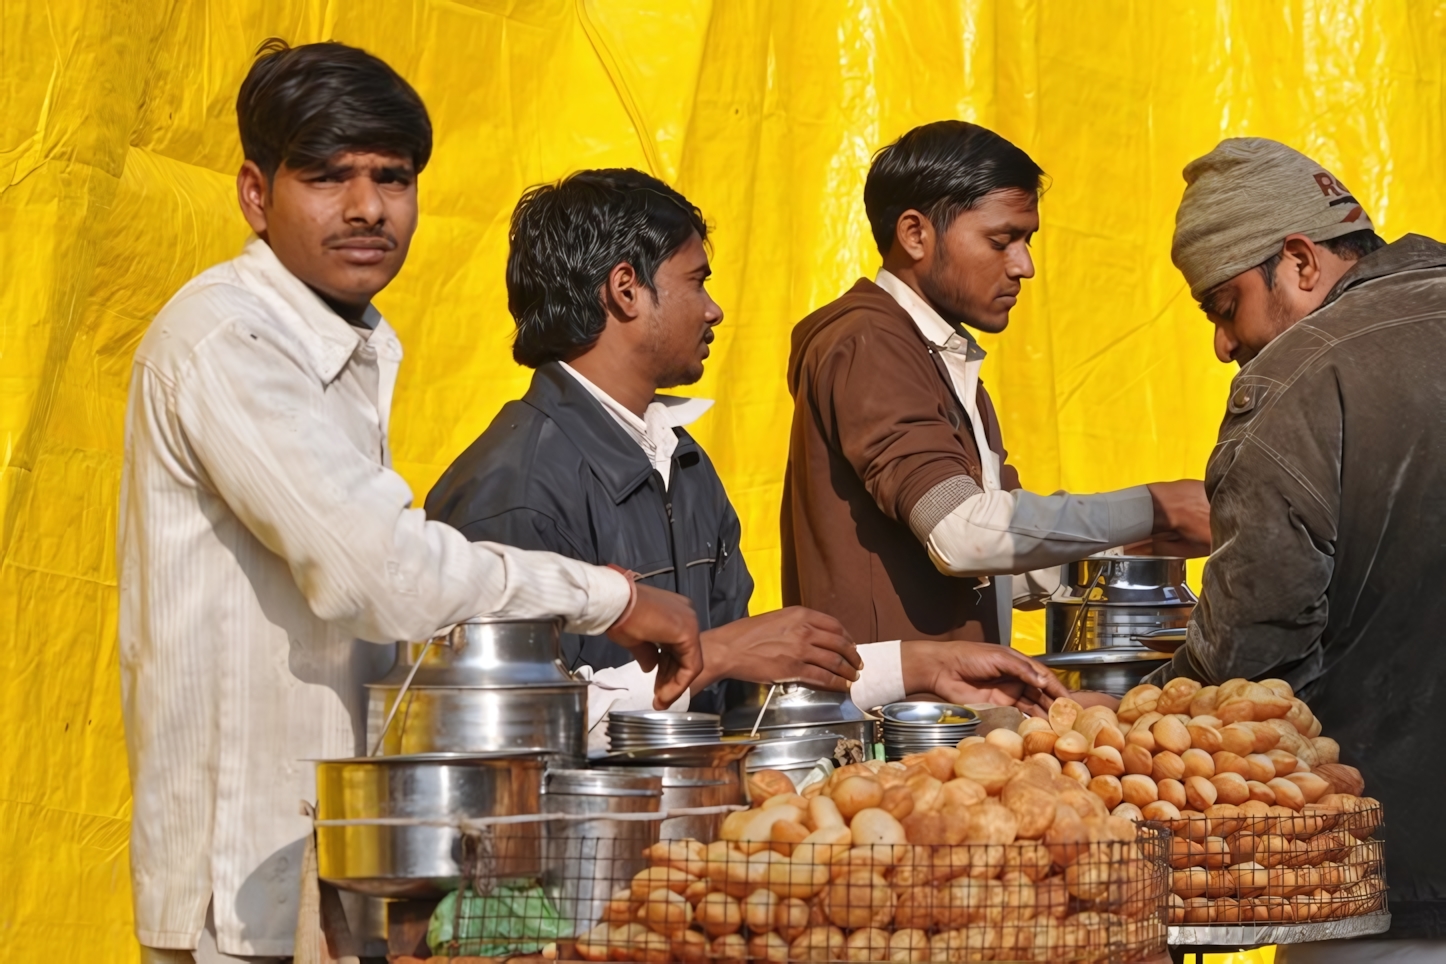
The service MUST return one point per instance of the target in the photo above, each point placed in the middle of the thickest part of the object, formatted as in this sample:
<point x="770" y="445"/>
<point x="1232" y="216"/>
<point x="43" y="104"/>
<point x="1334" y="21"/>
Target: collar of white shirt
<point x="665" y="412"/>
<point x="931" y="325"/>
<point x="328" y="340"/>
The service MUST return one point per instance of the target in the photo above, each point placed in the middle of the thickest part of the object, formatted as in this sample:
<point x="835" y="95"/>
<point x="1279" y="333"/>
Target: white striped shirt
<point x="262" y="537"/>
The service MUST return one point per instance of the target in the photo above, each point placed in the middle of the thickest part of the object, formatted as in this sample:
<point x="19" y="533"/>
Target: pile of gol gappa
<point x="1268" y="824"/>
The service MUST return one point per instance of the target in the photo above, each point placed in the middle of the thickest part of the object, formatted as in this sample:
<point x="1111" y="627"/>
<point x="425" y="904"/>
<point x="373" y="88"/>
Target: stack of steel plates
<point x="916" y="727"/>
<point x="645" y="729"/>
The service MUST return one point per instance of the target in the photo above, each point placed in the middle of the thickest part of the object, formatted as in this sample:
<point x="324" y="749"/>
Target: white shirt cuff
<point x="882" y="678"/>
<point x="608" y="592"/>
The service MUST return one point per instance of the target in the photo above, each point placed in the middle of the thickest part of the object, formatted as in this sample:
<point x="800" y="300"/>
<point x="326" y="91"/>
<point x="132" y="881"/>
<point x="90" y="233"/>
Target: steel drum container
<point x="1109" y="600"/>
<point x="485" y="687"/>
<point x="424" y="861"/>
<point x="1092" y="633"/>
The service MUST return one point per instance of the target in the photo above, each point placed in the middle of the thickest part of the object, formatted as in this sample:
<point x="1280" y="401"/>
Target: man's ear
<point x="622" y="292"/>
<point x="252" y="189"/>
<point x="1303" y="256"/>
<point x="913" y="234"/>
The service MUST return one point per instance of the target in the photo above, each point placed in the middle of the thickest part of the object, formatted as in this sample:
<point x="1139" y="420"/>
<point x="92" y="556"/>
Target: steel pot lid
<point x="1116" y="580"/>
<point x="791" y="705"/>
<point x="486" y="653"/>
<point x="602" y="783"/>
<point x="526" y="758"/>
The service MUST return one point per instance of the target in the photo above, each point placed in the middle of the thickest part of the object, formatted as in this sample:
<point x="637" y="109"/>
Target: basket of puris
<point x="1267" y="824"/>
<point x="958" y="854"/>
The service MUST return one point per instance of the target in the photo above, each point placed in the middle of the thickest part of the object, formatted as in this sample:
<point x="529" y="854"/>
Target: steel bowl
<point x="416" y="860"/>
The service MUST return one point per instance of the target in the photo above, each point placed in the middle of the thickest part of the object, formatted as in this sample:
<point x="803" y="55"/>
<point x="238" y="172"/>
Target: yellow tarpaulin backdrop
<point x="117" y="156"/>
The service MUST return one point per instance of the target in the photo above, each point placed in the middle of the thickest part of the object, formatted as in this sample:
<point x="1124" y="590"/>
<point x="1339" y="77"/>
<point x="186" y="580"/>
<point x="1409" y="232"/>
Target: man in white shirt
<point x="898" y="483"/>
<point x="265" y="544"/>
<point x="594" y="463"/>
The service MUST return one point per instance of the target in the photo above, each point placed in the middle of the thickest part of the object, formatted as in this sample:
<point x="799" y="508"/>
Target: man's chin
<point x="688" y="377"/>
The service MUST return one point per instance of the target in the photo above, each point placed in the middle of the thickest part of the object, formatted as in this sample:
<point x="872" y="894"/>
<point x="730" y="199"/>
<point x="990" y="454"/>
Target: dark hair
<point x="1349" y="247"/>
<point x="299" y="106"/>
<point x="565" y="240"/>
<point x="940" y="169"/>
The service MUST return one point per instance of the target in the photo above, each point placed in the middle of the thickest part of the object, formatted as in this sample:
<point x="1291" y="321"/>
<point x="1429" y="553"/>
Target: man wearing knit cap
<point x="1328" y="491"/>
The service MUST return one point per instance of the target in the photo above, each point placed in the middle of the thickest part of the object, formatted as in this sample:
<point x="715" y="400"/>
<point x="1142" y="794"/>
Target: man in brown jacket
<point x="898" y="482"/>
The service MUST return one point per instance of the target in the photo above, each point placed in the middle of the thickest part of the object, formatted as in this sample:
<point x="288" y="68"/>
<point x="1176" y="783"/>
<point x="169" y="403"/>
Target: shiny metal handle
<point x="1084" y="604"/>
<point x="401" y="695"/>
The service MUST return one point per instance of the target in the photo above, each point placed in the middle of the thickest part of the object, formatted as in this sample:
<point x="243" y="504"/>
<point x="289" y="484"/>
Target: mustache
<point x="379" y="231"/>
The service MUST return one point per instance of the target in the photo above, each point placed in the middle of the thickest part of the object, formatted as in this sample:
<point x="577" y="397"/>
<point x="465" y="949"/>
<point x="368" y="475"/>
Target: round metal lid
<point x="1097" y="657"/>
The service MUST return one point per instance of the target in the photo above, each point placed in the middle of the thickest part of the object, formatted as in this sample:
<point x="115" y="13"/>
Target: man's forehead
<point x="364" y="158"/>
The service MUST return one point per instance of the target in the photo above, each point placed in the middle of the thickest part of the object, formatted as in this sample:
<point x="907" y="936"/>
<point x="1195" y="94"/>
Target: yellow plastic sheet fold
<point x="117" y="157"/>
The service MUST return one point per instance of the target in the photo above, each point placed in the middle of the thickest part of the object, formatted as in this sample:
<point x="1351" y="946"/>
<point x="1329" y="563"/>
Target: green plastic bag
<point x="514" y="918"/>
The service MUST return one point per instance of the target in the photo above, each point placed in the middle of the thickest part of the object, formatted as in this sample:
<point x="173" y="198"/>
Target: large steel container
<point x="420" y="860"/>
<point x="1092" y="629"/>
<point x="485" y="687"/>
<point x="1109" y="600"/>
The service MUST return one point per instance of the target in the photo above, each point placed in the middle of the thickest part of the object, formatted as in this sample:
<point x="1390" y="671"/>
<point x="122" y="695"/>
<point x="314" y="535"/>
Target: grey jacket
<point x="554" y="471"/>
<point x="1328" y="513"/>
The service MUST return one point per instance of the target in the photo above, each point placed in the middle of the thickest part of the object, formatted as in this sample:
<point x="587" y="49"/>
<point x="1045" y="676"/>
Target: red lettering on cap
<point x="1356" y="212"/>
<point x="1328" y="185"/>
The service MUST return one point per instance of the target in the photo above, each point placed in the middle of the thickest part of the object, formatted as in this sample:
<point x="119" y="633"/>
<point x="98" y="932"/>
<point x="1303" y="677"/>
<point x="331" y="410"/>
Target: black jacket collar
<point x="613" y="456"/>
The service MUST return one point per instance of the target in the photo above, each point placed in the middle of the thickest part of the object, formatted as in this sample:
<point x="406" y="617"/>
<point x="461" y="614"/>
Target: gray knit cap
<point x="1243" y="198"/>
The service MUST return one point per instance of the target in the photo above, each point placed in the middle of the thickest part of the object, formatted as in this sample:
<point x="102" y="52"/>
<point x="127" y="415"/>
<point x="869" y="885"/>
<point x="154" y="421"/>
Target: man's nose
<point x="714" y="315"/>
<point x="1022" y="264"/>
<point x="363" y="201"/>
<point x="1224" y="344"/>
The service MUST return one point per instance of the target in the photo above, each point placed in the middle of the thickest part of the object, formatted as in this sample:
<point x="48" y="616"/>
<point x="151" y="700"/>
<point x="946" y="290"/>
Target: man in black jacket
<point x="1326" y="491"/>
<point x="606" y="279"/>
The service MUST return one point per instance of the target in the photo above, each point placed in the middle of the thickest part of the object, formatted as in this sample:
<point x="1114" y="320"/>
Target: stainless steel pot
<point x="485" y="687"/>
<point x="586" y="860"/>
<point x="793" y="710"/>
<point x="1109" y="600"/>
<point x="423" y="861"/>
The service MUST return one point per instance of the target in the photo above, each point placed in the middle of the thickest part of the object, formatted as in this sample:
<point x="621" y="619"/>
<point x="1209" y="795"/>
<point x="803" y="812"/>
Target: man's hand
<point x="793" y="645"/>
<point x="1182" y="518"/>
<point x="962" y="672"/>
<point x="662" y="632"/>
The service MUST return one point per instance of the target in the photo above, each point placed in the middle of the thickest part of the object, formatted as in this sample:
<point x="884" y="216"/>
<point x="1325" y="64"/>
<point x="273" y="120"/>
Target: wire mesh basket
<point x="1286" y="866"/>
<point x="693" y="903"/>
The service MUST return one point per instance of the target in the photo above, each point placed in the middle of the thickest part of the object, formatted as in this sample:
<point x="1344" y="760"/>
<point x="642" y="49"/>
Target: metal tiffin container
<point x="390" y="826"/>
<point x="917" y="727"/>
<point x="487" y="686"/>
<point x="597" y="848"/>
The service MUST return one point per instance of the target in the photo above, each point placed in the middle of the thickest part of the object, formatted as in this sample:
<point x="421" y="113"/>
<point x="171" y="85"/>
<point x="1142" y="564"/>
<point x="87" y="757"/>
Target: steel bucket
<point x="423" y="861"/>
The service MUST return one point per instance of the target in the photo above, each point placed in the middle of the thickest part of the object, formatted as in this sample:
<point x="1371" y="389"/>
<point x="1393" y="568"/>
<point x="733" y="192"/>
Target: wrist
<point x="717" y="662"/>
<point x="915" y="667"/>
<point x="632" y="603"/>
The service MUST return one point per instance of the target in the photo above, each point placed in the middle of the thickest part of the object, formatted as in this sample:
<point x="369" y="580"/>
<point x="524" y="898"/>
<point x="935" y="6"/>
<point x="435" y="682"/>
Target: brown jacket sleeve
<point x="876" y="392"/>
